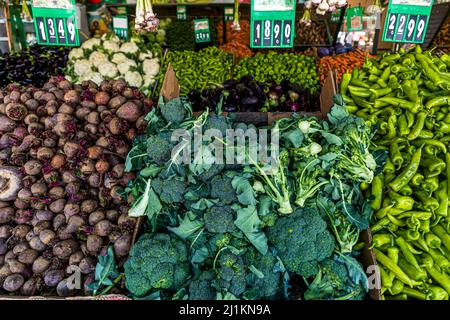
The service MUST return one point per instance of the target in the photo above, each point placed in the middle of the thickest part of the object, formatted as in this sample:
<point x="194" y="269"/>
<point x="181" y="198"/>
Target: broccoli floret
<point x="220" y="219"/>
<point x="231" y="274"/>
<point x="159" y="148"/>
<point x="302" y="240"/>
<point x="156" y="261"/>
<point x="201" y="287"/>
<point x="222" y="189"/>
<point x="218" y="122"/>
<point x="213" y="171"/>
<point x="267" y="287"/>
<point x="334" y="282"/>
<point x="174" y="111"/>
<point x="169" y="190"/>
<point x="218" y="241"/>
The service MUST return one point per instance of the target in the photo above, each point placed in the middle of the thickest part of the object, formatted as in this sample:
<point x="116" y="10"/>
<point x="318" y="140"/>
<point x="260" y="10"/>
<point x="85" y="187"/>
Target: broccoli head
<point x="207" y="175"/>
<point x="218" y="241"/>
<point x="156" y="261"/>
<point x="334" y="283"/>
<point x="220" y="219"/>
<point x="159" y="147"/>
<point x="174" y="111"/>
<point x="201" y="287"/>
<point x="222" y="189"/>
<point x="169" y="190"/>
<point x="218" y="122"/>
<point x="269" y="285"/>
<point x="231" y="274"/>
<point x="302" y="240"/>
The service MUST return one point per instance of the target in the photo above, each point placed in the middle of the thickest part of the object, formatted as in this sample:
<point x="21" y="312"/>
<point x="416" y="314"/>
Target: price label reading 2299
<point x="56" y="31"/>
<point x="406" y="27"/>
<point x="272" y="33"/>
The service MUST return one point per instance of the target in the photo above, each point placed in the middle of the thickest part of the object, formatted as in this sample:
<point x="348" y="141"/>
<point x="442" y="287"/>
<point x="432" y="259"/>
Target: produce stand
<point x="127" y="164"/>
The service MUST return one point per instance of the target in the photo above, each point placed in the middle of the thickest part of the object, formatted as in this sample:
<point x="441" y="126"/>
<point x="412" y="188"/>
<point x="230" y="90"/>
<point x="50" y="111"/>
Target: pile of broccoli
<point x="221" y="231"/>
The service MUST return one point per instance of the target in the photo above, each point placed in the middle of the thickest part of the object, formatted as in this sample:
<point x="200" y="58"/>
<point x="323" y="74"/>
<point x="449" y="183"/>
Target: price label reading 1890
<point x="271" y="28"/>
<point x="55" y="26"/>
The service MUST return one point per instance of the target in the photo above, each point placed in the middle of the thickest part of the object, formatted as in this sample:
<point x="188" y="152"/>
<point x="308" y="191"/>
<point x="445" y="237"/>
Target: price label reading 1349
<point x="56" y="25"/>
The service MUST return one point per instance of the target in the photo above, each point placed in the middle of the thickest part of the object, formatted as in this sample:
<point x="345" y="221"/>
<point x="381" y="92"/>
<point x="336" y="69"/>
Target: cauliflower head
<point x="133" y="78"/>
<point x="151" y="66"/>
<point x="145" y="55"/>
<point x="108" y="69"/>
<point x="81" y="67"/>
<point x="111" y="46"/>
<point x="119" y="58"/>
<point x="76" y="53"/>
<point x="97" y="58"/>
<point x="89" y="44"/>
<point x="93" y="76"/>
<point x="129" y="47"/>
<point x="125" y="66"/>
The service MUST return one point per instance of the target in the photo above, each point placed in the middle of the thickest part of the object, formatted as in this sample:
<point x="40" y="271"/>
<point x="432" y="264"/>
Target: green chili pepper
<point x="441" y="196"/>
<point x="403" y="125"/>
<point x="415" y="294"/>
<point x="430" y="184"/>
<point x="410" y="235"/>
<point x="406" y="191"/>
<point x="415" y="273"/>
<point x="436" y="293"/>
<point x="443" y="235"/>
<point x="395" y="155"/>
<point x="401" y="202"/>
<point x="380" y="239"/>
<point x="396" y="288"/>
<point x="428" y="202"/>
<point x="377" y="192"/>
<point x="425" y="134"/>
<point x="418" y="125"/>
<point x="346" y="78"/>
<point x="419" y="215"/>
<point x="439" y="277"/>
<point x="399" y="273"/>
<point x="408" y="59"/>
<point x="409" y="256"/>
<point x="417" y="179"/>
<point x="360" y="102"/>
<point x="395" y="221"/>
<point x="407" y="174"/>
<point x="380" y="224"/>
<point x="405" y="104"/>
<point x="433" y="164"/>
<point x="431" y="142"/>
<point x="358" y="91"/>
<point x="410" y="118"/>
<point x="424" y="226"/>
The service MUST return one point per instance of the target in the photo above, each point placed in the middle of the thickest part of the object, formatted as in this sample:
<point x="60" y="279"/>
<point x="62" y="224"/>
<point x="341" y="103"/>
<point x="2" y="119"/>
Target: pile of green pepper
<point x="198" y="70"/>
<point x="300" y="69"/>
<point x="407" y="95"/>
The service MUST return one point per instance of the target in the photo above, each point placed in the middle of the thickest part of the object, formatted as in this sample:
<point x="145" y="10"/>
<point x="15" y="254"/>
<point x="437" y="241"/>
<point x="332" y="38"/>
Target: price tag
<point x="202" y="30"/>
<point x="120" y="26"/>
<point x="55" y="22"/>
<point x="354" y="19"/>
<point x="271" y="23"/>
<point x="336" y="16"/>
<point x="407" y="21"/>
<point x="181" y="13"/>
<point x="228" y="12"/>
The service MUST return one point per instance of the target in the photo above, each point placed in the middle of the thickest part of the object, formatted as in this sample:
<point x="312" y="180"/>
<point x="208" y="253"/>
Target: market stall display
<point x="405" y="94"/>
<point x="62" y="169"/>
<point x="226" y="231"/>
<point x="342" y="63"/>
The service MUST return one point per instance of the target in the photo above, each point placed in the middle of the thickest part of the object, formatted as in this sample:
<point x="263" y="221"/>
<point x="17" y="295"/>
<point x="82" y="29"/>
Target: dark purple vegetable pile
<point x="33" y="66"/>
<point x="248" y="95"/>
<point x="62" y="154"/>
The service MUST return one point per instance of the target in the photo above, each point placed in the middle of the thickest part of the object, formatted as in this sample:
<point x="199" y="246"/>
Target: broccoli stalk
<point x="307" y="186"/>
<point x="277" y="184"/>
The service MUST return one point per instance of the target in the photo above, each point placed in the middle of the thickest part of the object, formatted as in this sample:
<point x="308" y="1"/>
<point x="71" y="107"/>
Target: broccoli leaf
<point x="295" y="137"/>
<point x="355" y="270"/>
<point x="106" y="272"/>
<point x="136" y="157"/>
<point x="244" y="190"/>
<point x="256" y="272"/>
<point x="187" y="227"/>
<point x="204" y="204"/>
<point x="332" y="138"/>
<point x="148" y="204"/>
<point x="249" y="223"/>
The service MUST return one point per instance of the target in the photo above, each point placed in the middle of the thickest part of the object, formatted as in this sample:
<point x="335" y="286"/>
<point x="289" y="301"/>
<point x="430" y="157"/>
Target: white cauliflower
<point x="69" y="78"/>
<point x="108" y="69"/>
<point x="111" y="46"/>
<point x="76" y="53"/>
<point x="89" y="44"/>
<point x="93" y="76"/>
<point x="124" y="66"/>
<point x="97" y="58"/>
<point x="133" y="78"/>
<point x="129" y="47"/>
<point x="119" y="58"/>
<point x="145" y="55"/>
<point x="81" y="67"/>
<point x="151" y="67"/>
